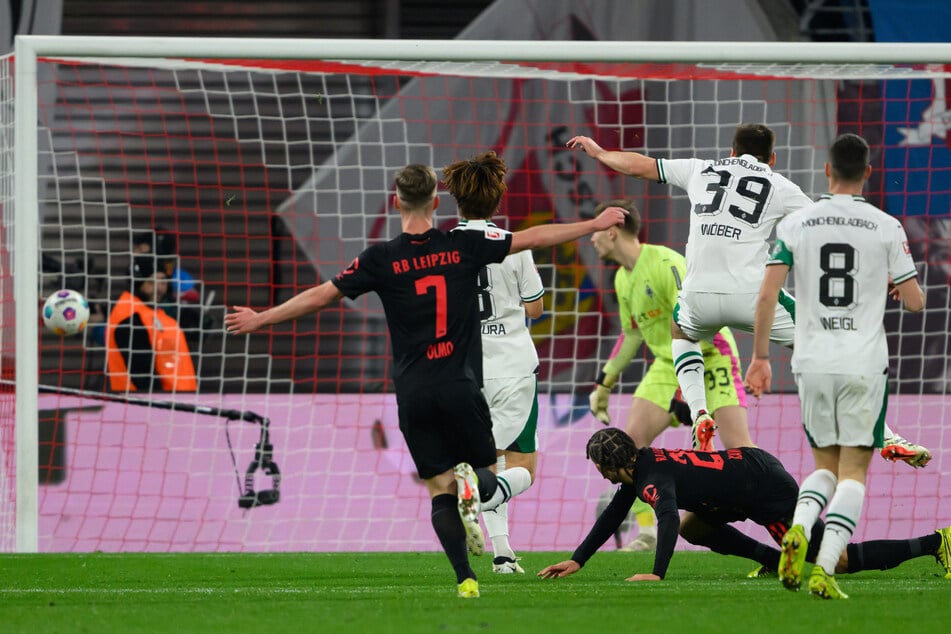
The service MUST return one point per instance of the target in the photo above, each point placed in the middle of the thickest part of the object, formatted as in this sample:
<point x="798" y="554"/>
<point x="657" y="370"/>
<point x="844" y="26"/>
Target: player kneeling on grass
<point x="717" y="488"/>
<point x="647" y="283"/>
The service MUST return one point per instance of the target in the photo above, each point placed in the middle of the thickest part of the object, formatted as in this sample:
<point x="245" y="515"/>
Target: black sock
<point x="883" y="554"/>
<point x="452" y="535"/>
<point x="488" y="483"/>
<point x="726" y="540"/>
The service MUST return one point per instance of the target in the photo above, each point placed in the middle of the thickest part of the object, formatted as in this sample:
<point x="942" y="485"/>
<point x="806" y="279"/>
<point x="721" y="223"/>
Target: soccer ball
<point x="66" y="312"/>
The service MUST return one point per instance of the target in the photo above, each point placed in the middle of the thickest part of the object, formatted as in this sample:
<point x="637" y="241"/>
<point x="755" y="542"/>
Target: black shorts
<point x="447" y="424"/>
<point x="766" y="494"/>
<point x="769" y="499"/>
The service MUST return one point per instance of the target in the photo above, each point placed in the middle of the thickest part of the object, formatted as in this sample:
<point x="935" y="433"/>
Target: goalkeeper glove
<point x="598" y="399"/>
<point x="680" y="413"/>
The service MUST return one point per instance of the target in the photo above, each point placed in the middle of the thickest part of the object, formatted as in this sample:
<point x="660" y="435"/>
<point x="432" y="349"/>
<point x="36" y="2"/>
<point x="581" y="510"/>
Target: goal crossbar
<point x="486" y="50"/>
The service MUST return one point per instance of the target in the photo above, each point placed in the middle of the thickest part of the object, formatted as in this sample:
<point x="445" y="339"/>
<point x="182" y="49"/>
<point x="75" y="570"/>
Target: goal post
<point x="267" y="165"/>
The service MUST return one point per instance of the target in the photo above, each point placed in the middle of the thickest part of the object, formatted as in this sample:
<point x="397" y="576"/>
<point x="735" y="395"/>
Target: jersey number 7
<point x="438" y="284"/>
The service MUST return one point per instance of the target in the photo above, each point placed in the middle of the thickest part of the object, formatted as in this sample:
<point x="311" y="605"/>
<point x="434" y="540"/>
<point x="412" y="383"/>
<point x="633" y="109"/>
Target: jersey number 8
<point x="836" y="285"/>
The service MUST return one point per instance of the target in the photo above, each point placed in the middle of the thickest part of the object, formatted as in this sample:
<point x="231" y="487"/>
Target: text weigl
<point x="838" y="323"/>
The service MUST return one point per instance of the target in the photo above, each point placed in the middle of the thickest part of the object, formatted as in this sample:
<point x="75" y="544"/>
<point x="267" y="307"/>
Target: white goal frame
<point x="29" y="49"/>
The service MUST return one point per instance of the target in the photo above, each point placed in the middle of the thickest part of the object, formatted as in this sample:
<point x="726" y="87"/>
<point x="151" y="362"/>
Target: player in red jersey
<point x="718" y="488"/>
<point x="427" y="281"/>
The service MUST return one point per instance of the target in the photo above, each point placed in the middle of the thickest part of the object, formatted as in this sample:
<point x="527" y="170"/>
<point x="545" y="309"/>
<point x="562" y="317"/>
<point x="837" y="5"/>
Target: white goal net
<point x="261" y="167"/>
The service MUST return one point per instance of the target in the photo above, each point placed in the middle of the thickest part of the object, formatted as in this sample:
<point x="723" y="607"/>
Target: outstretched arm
<point x="628" y="343"/>
<point x="244" y="320"/>
<point x="550" y="235"/>
<point x="668" y="523"/>
<point x="759" y="374"/>
<point x="911" y="295"/>
<point x="608" y="522"/>
<point x="668" y="527"/>
<point x="534" y="308"/>
<point x="561" y="569"/>
<point x="630" y="163"/>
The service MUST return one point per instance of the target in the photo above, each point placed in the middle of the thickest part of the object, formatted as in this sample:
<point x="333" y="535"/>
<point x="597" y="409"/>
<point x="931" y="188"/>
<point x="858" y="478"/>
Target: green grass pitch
<point x="410" y="592"/>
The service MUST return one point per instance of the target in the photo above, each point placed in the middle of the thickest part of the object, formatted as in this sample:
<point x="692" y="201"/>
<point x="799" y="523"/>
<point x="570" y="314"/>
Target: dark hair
<point x="632" y="221"/>
<point x="144" y="266"/>
<point x="611" y="449"/>
<point x="848" y="157"/>
<point x="144" y="237"/>
<point x="416" y="185"/>
<point x="477" y="184"/>
<point x="755" y="139"/>
<point x="159" y="241"/>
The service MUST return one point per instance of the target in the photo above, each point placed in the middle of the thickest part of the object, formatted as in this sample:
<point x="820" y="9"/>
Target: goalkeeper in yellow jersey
<point x="647" y="284"/>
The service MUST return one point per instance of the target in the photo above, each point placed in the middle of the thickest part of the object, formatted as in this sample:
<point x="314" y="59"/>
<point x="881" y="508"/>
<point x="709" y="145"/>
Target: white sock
<point x="688" y="364"/>
<point x="497" y="526"/>
<point x="497" y="522"/>
<point x="841" y="519"/>
<point x="511" y="482"/>
<point x="814" y="495"/>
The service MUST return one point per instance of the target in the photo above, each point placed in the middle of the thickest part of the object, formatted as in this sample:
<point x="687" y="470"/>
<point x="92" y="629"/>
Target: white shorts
<point x="843" y="409"/>
<point x="702" y="315"/>
<point x="513" y="403"/>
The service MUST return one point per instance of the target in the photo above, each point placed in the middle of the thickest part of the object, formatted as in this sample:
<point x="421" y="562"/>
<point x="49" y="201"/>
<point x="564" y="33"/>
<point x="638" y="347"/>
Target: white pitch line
<point x="178" y="590"/>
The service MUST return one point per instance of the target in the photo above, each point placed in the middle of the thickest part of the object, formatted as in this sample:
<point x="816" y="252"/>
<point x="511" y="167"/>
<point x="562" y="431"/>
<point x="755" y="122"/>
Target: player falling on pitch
<point x="646" y="284"/>
<point x="716" y="489"/>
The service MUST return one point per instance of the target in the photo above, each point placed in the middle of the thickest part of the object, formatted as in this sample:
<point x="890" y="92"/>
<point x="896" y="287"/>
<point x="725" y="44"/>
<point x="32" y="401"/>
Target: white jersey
<point x="842" y="251"/>
<point x="735" y="203"/>
<point x="507" y="346"/>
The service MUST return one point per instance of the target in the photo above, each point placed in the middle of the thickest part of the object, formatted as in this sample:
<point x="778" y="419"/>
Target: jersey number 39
<point x="754" y="190"/>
